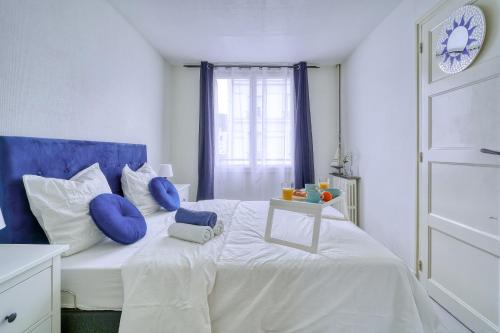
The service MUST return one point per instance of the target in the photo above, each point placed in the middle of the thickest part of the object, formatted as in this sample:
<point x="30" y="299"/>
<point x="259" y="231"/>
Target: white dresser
<point x="30" y="280"/>
<point x="350" y="187"/>
<point x="183" y="190"/>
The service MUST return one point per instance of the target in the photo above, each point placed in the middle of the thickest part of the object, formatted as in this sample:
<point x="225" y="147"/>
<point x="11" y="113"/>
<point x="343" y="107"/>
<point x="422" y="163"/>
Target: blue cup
<point x="313" y="196"/>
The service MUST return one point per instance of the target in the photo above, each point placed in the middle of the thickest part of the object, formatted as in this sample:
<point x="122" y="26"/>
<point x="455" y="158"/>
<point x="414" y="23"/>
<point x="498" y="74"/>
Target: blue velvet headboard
<point x="58" y="159"/>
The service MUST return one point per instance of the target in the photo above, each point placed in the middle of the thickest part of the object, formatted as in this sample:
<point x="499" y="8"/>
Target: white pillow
<point x="62" y="207"/>
<point x="135" y="186"/>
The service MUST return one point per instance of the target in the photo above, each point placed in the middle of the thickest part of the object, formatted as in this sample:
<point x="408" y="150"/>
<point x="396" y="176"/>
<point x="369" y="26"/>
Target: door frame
<point x="419" y="52"/>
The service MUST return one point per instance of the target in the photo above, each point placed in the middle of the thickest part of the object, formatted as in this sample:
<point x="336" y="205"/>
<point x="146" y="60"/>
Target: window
<point x="253" y="132"/>
<point x="253" y="118"/>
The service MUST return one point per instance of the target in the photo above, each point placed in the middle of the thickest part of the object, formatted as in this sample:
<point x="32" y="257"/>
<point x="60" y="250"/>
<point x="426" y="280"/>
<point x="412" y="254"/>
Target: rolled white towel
<point x="218" y="228"/>
<point x="191" y="233"/>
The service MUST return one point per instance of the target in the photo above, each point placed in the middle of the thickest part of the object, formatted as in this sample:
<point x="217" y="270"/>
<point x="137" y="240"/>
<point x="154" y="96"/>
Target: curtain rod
<point x="251" y="66"/>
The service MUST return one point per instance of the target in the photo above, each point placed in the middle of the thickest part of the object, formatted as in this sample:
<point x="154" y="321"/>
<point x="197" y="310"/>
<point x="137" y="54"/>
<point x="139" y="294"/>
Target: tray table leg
<point x="316" y="229"/>
<point x="269" y="225"/>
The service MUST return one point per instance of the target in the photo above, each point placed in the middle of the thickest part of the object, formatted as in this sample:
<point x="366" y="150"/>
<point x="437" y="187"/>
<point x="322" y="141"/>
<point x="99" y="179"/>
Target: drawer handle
<point x="10" y="318"/>
<point x="489" y="151"/>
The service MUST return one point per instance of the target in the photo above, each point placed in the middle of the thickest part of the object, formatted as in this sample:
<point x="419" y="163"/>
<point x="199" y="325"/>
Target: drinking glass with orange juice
<point x="323" y="183"/>
<point x="287" y="191"/>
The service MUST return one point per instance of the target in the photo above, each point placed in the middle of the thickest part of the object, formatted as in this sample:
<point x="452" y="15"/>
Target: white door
<point x="459" y="186"/>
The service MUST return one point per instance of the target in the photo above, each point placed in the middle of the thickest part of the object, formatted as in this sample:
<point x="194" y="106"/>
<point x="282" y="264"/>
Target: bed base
<point x="79" y="321"/>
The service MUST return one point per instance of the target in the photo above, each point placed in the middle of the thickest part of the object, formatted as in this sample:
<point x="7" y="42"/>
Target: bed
<point x="234" y="283"/>
<point x="91" y="279"/>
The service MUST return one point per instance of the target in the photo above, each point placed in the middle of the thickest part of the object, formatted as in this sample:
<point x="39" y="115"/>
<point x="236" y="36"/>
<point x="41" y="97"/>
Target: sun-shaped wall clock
<point x="461" y="38"/>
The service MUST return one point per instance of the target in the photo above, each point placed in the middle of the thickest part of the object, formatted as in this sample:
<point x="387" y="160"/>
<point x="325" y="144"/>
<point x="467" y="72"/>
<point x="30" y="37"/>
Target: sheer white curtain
<point x="253" y="132"/>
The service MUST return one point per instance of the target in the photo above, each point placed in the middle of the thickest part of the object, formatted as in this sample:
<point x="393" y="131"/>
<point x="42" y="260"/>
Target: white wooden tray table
<point x="310" y="209"/>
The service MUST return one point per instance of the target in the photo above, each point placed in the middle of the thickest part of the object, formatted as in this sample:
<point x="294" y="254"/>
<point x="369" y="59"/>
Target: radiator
<point x="349" y="185"/>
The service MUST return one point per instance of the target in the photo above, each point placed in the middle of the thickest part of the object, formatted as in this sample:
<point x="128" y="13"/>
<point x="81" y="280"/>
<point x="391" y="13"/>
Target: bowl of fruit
<point x="335" y="192"/>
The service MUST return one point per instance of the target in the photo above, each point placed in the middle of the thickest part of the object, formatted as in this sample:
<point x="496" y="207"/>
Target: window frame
<point x="253" y="77"/>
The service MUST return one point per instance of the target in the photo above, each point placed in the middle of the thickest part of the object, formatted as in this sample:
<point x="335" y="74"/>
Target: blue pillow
<point x="164" y="193"/>
<point x="118" y="218"/>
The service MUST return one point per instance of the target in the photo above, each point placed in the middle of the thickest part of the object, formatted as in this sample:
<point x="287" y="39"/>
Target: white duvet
<point x="239" y="283"/>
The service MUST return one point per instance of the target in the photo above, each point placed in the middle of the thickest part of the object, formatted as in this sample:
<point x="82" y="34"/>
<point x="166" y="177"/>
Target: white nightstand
<point x="30" y="288"/>
<point x="183" y="190"/>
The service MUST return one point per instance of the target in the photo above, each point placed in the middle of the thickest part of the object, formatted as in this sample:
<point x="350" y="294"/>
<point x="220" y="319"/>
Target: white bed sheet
<point x="240" y="283"/>
<point x="93" y="276"/>
<point x="166" y="284"/>
<point x="354" y="284"/>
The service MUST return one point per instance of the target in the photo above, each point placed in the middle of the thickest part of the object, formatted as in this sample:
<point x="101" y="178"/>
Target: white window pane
<point x="254" y="119"/>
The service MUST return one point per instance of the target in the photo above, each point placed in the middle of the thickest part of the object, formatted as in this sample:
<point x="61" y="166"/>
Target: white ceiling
<point x="254" y="31"/>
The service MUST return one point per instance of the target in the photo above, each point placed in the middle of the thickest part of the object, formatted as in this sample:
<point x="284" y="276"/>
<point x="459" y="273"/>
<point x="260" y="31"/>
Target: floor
<point x="453" y="325"/>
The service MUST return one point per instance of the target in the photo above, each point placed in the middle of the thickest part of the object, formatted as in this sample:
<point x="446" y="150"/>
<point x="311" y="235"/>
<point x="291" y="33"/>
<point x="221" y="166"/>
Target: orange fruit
<point x="326" y="196"/>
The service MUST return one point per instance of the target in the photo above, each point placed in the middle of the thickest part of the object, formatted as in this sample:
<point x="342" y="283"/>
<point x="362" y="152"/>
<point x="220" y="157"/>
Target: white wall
<point x="77" y="70"/>
<point x="184" y="126"/>
<point x="380" y="127"/>
<point x="184" y="153"/>
<point x="323" y="99"/>
<point x="168" y="103"/>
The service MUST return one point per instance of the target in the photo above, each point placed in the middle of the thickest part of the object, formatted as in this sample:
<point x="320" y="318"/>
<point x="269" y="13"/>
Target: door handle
<point x="489" y="151"/>
<point x="10" y="318"/>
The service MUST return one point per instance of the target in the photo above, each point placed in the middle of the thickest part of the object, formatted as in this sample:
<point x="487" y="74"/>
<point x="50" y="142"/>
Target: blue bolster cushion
<point x="196" y="217"/>
<point x="164" y="193"/>
<point x="118" y="218"/>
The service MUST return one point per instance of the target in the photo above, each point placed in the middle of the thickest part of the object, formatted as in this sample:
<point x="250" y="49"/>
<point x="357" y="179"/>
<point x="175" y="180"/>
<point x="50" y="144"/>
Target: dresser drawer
<point x="45" y="327"/>
<point x="30" y="299"/>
